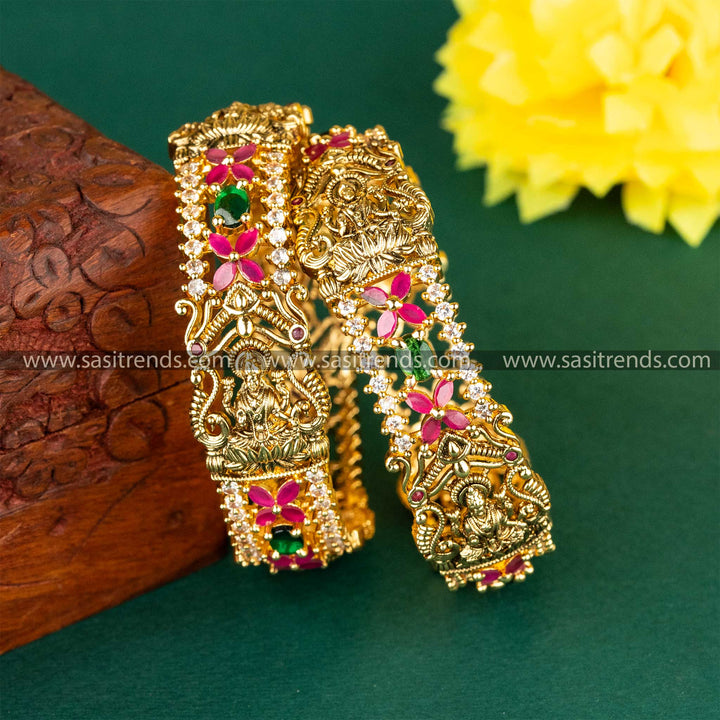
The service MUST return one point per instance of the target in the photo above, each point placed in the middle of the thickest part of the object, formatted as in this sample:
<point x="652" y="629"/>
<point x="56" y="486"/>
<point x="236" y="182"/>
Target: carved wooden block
<point x="103" y="492"/>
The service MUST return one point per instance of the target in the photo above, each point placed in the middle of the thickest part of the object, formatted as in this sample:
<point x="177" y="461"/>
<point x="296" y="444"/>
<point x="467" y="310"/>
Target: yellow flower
<point x="553" y="95"/>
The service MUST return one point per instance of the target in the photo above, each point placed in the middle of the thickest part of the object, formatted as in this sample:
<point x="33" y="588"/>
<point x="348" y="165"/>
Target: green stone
<point x="416" y="358"/>
<point x="284" y="542"/>
<point x="230" y="205"/>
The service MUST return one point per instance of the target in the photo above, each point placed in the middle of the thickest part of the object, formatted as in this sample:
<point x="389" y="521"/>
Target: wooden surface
<point x="103" y="491"/>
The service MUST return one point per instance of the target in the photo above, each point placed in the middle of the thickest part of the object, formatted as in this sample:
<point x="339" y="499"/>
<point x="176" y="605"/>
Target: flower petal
<point x="412" y="313"/>
<point x="260" y="496"/>
<point x="309" y="562"/>
<point x="265" y="517"/>
<point x="224" y="275"/>
<point x="400" y="285"/>
<point x="315" y="151"/>
<point x="288" y="492"/>
<point x="283" y="562"/>
<point x="217" y="174"/>
<point x="419" y="402"/>
<point x="215" y="155"/>
<point x="244" y="152"/>
<point x="431" y="430"/>
<point x="251" y="270"/>
<point x="340" y="140"/>
<point x="443" y="393"/>
<point x="242" y="172"/>
<point x="455" y="419"/>
<point x="246" y="242"/>
<point x="375" y="296"/>
<point x="220" y="244"/>
<point x="386" y="324"/>
<point x="292" y="513"/>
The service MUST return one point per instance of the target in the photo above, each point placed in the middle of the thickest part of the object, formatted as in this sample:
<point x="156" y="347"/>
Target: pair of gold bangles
<point x="294" y="242"/>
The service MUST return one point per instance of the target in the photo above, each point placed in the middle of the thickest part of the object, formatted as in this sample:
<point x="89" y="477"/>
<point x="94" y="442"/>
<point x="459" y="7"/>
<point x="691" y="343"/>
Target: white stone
<point x="277" y="236"/>
<point x="355" y="326"/>
<point x="393" y="423"/>
<point x="318" y="490"/>
<point x="452" y="331"/>
<point x="427" y="273"/>
<point x="274" y="183"/>
<point x="192" y="228"/>
<point x="192" y="212"/>
<point x="387" y="404"/>
<point x="469" y="373"/>
<point x="279" y="256"/>
<point x="276" y="217"/>
<point x="194" y="267"/>
<point x="189" y="181"/>
<point x="193" y="247"/>
<point x="276" y="199"/>
<point x="190" y="196"/>
<point x="197" y="287"/>
<point x="362" y="344"/>
<point x="282" y="277"/>
<point x="274" y="169"/>
<point x="476" y="390"/>
<point x="403" y="443"/>
<point x="347" y="307"/>
<point x="378" y="384"/>
<point x="444" y="311"/>
<point x="435" y="292"/>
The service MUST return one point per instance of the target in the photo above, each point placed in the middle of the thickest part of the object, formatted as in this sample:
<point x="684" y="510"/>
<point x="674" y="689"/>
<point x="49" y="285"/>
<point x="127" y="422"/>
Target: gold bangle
<point x="263" y="420"/>
<point x="364" y="234"/>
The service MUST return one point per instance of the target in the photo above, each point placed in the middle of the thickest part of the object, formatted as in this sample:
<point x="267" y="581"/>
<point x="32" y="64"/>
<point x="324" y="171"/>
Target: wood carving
<point x="103" y="493"/>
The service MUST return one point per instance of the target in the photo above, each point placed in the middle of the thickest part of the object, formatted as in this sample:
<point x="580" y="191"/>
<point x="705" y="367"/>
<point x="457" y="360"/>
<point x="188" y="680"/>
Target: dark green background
<point x="620" y="621"/>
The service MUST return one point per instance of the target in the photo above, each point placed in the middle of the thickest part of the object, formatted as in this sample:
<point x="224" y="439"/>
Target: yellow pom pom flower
<point x="554" y="95"/>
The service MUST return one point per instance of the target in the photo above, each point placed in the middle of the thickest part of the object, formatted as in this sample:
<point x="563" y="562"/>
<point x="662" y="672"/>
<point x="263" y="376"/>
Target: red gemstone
<point x="417" y="496"/>
<point x="511" y="455"/>
<point x="297" y="333"/>
<point x="196" y="348"/>
<point x="514" y="565"/>
<point x="490" y="576"/>
<point x="315" y="151"/>
<point x="215" y="155"/>
<point x="296" y="201"/>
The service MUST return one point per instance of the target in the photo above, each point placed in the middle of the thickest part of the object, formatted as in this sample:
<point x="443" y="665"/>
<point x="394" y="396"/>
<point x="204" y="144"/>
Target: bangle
<point x="480" y="513"/>
<point x="264" y="420"/>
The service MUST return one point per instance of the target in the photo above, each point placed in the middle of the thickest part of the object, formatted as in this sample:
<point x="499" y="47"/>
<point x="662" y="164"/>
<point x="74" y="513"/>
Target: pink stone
<point x="288" y="492"/>
<point x="217" y="174"/>
<point x="296" y="201"/>
<point x="400" y="285"/>
<point x="386" y="324"/>
<point x="251" y="270"/>
<point x="297" y="333"/>
<point x="196" y="348"/>
<point x="375" y="296"/>
<point x="417" y="496"/>
<point x="242" y="172"/>
<point x="515" y="564"/>
<point x="315" y="151"/>
<point x="490" y="576"/>
<point x="340" y="140"/>
<point x="292" y="514"/>
<point x="455" y="419"/>
<point x="511" y="455"/>
<point x="245" y="152"/>
<point x="215" y="155"/>
<point x="443" y="392"/>
<point x="419" y="402"/>
<point x="431" y="430"/>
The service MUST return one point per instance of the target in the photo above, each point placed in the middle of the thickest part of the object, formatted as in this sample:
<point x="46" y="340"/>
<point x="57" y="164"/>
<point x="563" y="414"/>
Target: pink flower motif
<point x="278" y="505"/>
<point x="226" y="273"/>
<point x="399" y="290"/>
<point x="340" y="140"/>
<point x="285" y="562"/>
<point x="219" y="173"/>
<point x="435" y="411"/>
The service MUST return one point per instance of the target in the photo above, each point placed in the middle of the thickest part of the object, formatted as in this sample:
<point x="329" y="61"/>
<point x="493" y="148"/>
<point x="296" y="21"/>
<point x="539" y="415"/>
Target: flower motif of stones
<point x="318" y="149"/>
<point x="436" y="411"/>
<point x="278" y="506"/>
<point x="236" y="263"/>
<point x="225" y="164"/>
<point x="399" y="289"/>
<point x="296" y="562"/>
